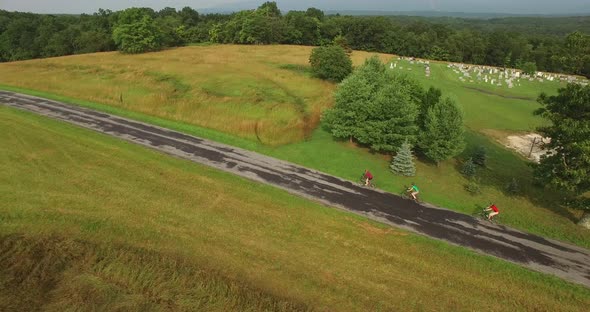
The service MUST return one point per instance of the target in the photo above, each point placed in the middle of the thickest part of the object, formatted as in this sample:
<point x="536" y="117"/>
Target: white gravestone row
<point x="493" y="75"/>
<point x="411" y="60"/>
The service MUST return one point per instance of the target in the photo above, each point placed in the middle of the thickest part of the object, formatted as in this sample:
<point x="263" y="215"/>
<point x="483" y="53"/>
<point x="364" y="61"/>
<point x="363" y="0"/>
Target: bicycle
<point x="484" y="214"/>
<point x="407" y="194"/>
<point x="362" y="182"/>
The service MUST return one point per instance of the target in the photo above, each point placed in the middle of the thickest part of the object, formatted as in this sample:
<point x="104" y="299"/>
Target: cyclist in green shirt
<point x="413" y="190"/>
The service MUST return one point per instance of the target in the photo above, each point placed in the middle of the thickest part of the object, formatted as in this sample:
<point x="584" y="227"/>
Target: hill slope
<point x="94" y="222"/>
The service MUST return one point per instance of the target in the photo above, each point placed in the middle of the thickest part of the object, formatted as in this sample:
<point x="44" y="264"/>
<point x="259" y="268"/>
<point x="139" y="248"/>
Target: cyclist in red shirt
<point x="493" y="211"/>
<point x="368" y="177"/>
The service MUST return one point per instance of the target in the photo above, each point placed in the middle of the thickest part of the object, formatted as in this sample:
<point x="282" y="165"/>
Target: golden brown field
<point x="242" y="90"/>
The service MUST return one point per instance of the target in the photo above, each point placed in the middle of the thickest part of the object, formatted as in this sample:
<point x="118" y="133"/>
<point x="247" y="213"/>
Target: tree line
<point x="135" y="30"/>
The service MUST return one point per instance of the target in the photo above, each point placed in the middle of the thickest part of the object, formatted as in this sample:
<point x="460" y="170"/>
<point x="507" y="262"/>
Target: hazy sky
<point x="484" y="6"/>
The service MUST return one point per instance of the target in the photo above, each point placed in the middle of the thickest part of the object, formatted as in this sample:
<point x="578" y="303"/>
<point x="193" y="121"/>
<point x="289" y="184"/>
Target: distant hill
<point x="427" y="8"/>
<point x="537" y="24"/>
<point x="442" y="14"/>
<point x="476" y="15"/>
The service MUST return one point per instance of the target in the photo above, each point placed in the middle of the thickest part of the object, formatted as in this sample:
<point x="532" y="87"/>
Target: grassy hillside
<point x="488" y="110"/>
<point x="236" y="89"/>
<point x="247" y="91"/>
<point x="90" y="221"/>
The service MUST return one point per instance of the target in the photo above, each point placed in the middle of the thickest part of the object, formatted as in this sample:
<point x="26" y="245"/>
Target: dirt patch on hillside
<point x="529" y="145"/>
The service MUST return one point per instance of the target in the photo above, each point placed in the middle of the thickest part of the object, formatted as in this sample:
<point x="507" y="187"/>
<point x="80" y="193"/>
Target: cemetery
<point x="495" y="77"/>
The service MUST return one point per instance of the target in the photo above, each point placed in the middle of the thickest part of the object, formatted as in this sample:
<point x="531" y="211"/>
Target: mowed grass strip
<point x="91" y="221"/>
<point x="233" y="89"/>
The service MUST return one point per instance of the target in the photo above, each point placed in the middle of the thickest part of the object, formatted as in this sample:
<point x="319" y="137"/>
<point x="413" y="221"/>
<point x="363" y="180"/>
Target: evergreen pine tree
<point x="403" y="162"/>
<point x="469" y="169"/>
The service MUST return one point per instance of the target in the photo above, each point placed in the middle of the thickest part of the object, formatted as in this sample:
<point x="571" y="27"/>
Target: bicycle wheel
<point x="483" y="215"/>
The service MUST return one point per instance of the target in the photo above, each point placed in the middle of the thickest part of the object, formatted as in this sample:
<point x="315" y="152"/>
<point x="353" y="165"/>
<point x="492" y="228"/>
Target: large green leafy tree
<point x="330" y="63"/>
<point x="351" y="97"/>
<point x="577" y="53"/>
<point x="567" y="166"/>
<point x="375" y="107"/>
<point x="302" y="28"/>
<point x="136" y="32"/>
<point x="17" y="41"/>
<point x="429" y="99"/>
<point x="443" y="135"/>
<point x="352" y="94"/>
<point x="391" y="116"/>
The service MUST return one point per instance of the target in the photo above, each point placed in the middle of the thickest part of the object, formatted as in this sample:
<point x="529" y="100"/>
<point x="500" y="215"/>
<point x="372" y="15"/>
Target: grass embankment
<point x="534" y="210"/>
<point x="232" y="89"/>
<point x="94" y="222"/>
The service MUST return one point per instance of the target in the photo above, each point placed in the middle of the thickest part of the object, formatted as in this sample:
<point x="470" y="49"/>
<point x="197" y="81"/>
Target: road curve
<point x="569" y="262"/>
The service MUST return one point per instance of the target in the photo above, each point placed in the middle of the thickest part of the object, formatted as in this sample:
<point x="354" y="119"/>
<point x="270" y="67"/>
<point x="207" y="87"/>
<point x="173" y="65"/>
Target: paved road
<point x="566" y="261"/>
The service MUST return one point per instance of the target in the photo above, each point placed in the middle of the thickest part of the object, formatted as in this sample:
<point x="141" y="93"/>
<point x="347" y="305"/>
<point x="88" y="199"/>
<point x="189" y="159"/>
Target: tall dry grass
<point x="239" y="90"/>
<point x="55" y="273"/>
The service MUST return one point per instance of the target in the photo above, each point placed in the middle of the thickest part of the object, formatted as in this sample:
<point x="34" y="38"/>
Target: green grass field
<point x="93" y="222"/>
<point x="485" y="106"/>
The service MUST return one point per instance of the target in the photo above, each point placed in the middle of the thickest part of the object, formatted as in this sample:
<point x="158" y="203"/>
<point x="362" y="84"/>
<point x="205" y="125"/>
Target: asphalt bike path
<point x="567" y="261"/>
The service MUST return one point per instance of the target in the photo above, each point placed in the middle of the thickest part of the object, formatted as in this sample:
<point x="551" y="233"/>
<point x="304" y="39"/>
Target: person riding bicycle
<point x="413" y="190"/>
<point x="494" y="211"/>
<point x="368" y="177"/>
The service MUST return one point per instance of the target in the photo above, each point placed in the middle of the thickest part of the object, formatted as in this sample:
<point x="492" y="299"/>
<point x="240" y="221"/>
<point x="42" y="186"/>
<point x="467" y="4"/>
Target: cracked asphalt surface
<point x="569" y="262"/>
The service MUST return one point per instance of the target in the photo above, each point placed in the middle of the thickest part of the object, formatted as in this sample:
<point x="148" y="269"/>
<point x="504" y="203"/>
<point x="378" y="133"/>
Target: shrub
<point x="480" y="156"/>
<point x="513" y="187"/>
<point x="343" y="43"/>
<point x="529" y="68"/>
<point x="473" y="186"/>
<point x="469" y="169"/>
<point x="330" y="63"/>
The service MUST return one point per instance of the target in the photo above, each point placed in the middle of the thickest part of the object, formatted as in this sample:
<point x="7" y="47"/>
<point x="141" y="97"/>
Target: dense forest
<point x="558" y="44"/>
